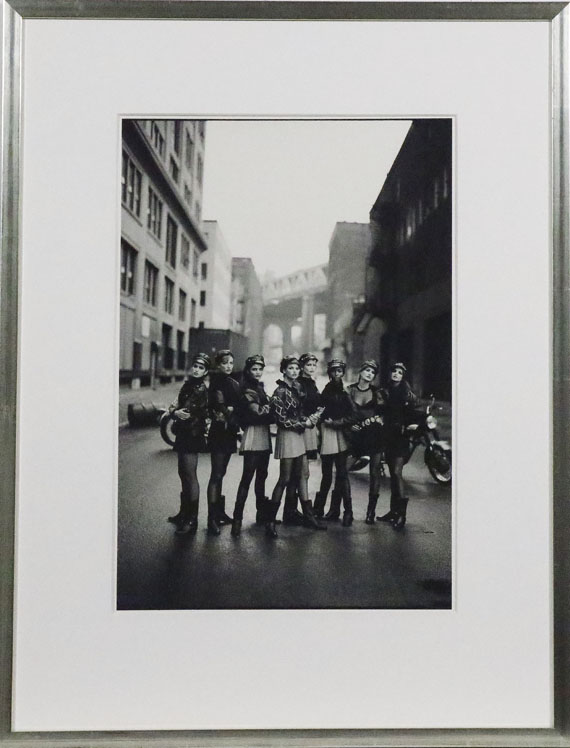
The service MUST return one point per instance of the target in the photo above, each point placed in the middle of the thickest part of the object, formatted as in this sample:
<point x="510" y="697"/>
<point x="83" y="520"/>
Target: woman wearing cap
<point x="337" y="416"/>
<point x="367" y="434"/>
<point x="191" y="420"/>
<point x="291" y="422"/>
<point x="254" y="416"/>
<point x="399" y="398"/>
<point x="311" y="407"/>
<point x="223" y="398"/>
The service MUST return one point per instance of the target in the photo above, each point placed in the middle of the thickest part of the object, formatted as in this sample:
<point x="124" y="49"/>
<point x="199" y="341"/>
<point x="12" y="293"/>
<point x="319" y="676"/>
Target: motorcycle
<point x="165" y="424"/>
<point x="423" y="432"/>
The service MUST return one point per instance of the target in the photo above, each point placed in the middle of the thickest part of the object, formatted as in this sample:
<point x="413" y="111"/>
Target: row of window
<point x="157" y="136"/>
<point x="416" y="214"/>
<point x="129" y="260"/>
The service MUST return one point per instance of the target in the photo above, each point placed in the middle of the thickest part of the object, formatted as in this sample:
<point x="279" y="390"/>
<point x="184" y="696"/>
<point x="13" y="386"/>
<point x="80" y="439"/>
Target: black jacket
<point x="253" y="405"/>
<point x="337" y="405"/>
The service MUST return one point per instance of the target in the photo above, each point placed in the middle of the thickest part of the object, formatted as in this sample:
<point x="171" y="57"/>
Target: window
<point x="188" y="194"/>
<point x="158" y="139"/>
<point x="204" y="271"/>
<point x="168" y="296"/>
<point x="171" y="241"/>
<point x="154" y="213"/>
<point x="193" y="313"/>
<point x="200" y="169"/>
<point x="202" y="298"/>
<point x="131" y="182"/>
<point x="174" y="170"/>
<point x="128" y="267"/>
<point x="181" y="305"/>
<point x="177" y="135"/>
<point x="184" y="251"/>
<point x="189" y="150"/>
<point x="195" y="263"/>
<point x="150" y="283"/>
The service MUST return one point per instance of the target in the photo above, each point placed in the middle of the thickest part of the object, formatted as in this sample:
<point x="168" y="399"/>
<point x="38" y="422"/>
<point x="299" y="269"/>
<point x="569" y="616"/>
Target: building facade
<point x="349" y="248"/>
<point x="214" y="309"/>
<point x="162" y="242"/>
<point x="409" y="289"/>
<point x="247" y="303"/>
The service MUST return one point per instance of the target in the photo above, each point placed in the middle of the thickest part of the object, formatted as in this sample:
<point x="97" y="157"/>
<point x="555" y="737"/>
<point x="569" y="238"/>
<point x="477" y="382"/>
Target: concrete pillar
<point x="287" y="340"/>
<point x="308" y="323"/>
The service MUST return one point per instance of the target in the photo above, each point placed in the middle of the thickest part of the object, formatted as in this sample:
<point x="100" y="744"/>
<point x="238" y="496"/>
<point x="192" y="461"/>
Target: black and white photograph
<point x="285" y="364"/>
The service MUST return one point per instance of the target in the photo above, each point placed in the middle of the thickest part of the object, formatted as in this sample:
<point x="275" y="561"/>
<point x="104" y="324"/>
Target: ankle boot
<point x="389" y="516"/>
<point x="319" y="506"/>
<point x="291" y="515"/>
<point x="334" y="510"/>
<point x="213" y="527"/>
<point x="261" y="503"/>
<point x="401" y="509"/>
<point x="188" y="523"/>
<point x="371" y="510"/>
<point x="176" y="518"/>
<point x="236" y="527"/>
<point x="272" y="509"/>
<point x="222" y="517"/>
<point x="309" y="517"/>
<point x="347" y="517"/>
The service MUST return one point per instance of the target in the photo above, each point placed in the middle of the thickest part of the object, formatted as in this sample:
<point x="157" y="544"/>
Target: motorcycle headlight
<point x="431" y="422"/>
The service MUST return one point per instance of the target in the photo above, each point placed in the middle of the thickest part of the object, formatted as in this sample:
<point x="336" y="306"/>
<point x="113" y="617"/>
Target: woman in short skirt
<point x="399" y="401"/>
<point x="191" y="420"/>
<point x="337" y="416"/>
<point x="291" y="422"/>
<point x="311" y="409"/>
<point x="367" y="434"/>
<point x="223" y="398"/>
<point x="254" y="416"/>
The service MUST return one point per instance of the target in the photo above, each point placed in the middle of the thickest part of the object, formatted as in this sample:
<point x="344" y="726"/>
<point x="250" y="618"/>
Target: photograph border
<point x="557" y="14"/>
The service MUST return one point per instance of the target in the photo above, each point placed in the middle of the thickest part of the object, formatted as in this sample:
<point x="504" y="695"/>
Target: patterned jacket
<point x="287" y="406"/>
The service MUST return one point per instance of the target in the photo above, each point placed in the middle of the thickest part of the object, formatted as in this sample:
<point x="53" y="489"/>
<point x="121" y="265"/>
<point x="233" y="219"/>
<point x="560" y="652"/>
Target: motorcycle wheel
<point x="439" y="465"/>
<point x="166" y="429"/>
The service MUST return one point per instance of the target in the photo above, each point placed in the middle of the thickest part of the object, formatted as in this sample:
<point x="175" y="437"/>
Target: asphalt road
<point x="362" y="566"/>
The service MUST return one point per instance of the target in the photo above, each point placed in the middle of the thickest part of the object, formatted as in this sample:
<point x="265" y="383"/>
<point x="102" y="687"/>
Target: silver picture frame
<point x="15" y="14"/>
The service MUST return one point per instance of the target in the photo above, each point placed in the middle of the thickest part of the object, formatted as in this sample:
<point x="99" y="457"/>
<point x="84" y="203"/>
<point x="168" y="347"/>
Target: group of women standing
<point x="361" y="419"/>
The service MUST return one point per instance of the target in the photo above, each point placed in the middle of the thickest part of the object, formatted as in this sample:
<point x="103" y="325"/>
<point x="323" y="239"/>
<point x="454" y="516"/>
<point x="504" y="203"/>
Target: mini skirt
<point x="311" y="438"/>
<point x="289" y="444"/>
<point x="370" y="440"/>
<point x="333" y="441"/>
<point x="190" y="444"/>
<point x="222" y="439"/>
<point x="256" y="438"/>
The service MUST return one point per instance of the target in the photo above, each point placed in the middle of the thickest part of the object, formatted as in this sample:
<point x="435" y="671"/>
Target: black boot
<point x="389" y="516"/>
<point x="401" y="509"/>
<point x="371" y="510"/>
<point x="188" y="523"/>
<point x="319" y="506"/>
<point x="213" y="527"/>
<point x="347" y="517"/>
<point x="176" y="518"/>
<point x="272" y="509"/>
<point x="334" y="510"/>
<point x="309" y="519"/>
<point x="222" y="517"/>
<point x="291" y="515"/>
<point x="236" y="527"/>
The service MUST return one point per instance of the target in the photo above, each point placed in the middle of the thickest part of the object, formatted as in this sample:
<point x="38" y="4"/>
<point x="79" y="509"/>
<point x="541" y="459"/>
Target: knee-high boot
<point x="222" y="517"/>
<point x="310" y="519"/>
<point x="272" y="509"/>
<point x="319" y="505"/>
<point x="401" y="510"/>
<point x="188" y="523"/>
<point x="334" y="510"/>
<point x="389" y="516"/>
<point x="371" y="510"/>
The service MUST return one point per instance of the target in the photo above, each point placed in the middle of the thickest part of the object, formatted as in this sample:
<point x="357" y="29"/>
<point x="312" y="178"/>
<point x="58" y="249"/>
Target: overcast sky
<point x="277" y="188"/>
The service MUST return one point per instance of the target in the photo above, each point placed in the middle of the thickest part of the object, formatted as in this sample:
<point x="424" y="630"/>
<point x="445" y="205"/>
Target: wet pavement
<point x="363" y="566"/>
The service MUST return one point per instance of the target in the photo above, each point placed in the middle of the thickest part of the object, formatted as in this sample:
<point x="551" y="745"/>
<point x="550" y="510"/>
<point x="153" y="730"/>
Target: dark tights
<point x="396" y="465"/>
<point x="375" y="468"/>
<point x="187" y="464"/>
<point x="292" y="471"/>
<point x="341" y="480"/>
<point x="254" y="463"/>
<point x="219" y="462"/>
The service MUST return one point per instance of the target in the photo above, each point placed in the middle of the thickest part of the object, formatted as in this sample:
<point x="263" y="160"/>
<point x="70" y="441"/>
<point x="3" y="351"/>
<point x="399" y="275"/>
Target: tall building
<point x="349" y="248"/>
<point x="161" y="245"/>
<point x="215" y="310"/>
<point x="247" y="303"/>
<point x="409" y="291"/>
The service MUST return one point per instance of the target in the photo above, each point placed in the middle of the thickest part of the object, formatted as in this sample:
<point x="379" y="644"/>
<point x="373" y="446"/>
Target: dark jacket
<point x="337" y="405"/>
<point x="193" y="396"/>
<point x="373" y="408"/>
<point x="312" y="396"/>
<point x="287" y="406"/>
<point x="253" y="405"/>
<point x="224" y="392"/>
<point x="399" y="402"/>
